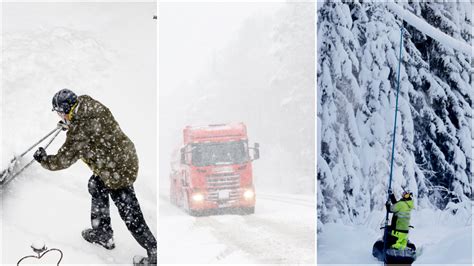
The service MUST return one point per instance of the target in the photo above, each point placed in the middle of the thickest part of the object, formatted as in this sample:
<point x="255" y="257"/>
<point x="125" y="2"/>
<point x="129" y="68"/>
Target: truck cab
<point x="215" y="170"/>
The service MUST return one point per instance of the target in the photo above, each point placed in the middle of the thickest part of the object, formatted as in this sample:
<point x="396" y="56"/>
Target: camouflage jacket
<point x="95" y="137"/>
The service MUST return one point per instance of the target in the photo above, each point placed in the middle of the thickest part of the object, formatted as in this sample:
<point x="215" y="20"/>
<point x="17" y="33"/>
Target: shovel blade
<point x="7" y="172"/>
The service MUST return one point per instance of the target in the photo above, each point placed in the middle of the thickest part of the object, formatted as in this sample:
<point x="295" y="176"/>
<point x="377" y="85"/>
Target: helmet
<point x="407" y="195"/>
<point x="64" y="100"/>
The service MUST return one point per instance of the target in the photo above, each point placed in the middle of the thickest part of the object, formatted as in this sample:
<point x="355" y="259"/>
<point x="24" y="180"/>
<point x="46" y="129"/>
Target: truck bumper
<point x="245" y="200"/>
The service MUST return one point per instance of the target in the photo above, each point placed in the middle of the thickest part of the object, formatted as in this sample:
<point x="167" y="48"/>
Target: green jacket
<point x="95" y="137"/>
<point x="401" y="214"/>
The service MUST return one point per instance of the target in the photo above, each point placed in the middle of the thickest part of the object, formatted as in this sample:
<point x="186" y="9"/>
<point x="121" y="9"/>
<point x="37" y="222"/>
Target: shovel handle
<point x="4" y="182"/>
<point x="49" y="134"/>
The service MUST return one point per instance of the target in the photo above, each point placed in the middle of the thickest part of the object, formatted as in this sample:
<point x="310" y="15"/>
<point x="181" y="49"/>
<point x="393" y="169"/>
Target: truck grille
<point x="223" y="182"/>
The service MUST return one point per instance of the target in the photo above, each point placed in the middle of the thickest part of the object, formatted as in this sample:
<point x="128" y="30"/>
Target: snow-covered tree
<point x="358" y="56"/>
<point x="338" y="171"/>
<point x="444" y="126"/>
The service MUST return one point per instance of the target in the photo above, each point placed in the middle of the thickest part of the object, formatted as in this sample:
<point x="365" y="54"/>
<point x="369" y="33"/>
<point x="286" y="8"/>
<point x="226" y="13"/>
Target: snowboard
<point x="394" y="256"/>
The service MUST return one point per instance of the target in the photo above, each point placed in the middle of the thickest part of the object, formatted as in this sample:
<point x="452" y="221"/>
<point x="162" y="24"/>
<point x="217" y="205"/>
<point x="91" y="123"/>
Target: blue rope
<point x="393" y="143"/>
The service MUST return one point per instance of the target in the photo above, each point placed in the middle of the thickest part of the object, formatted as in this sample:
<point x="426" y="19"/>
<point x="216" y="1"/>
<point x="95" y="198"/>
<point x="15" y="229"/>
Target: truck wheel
<point x="248" y="210"/>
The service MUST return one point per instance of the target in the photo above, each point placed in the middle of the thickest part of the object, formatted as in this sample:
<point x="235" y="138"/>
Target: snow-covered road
<point x="282" y="231"/>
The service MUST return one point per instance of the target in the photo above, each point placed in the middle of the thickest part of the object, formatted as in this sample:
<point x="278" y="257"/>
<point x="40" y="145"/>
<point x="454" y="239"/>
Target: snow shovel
<point x="7" y="175"/>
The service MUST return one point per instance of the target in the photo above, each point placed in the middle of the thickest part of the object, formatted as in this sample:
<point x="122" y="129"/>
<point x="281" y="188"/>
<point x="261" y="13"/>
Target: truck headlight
<point x="249" y="194"/>
<point x="198" y="197"/>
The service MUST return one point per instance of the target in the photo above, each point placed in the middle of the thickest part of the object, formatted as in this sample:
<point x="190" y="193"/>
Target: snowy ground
<point x="281" y="231"/>
<point x="92" y="49"/>
<point x="445" y="240"/>
<point x="54" y="208"/>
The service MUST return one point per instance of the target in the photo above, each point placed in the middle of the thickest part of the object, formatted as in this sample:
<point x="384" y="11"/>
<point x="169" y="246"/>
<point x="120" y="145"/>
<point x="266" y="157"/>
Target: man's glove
<point x="391" y="196"/>
<point x="387" y="205"/>
<point x="63" y="125"/>
<point x="40" y="155"/>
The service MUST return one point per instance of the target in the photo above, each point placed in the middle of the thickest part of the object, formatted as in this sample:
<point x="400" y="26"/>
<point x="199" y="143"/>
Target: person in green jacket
<point x="94" y="136"/>
<point x="400" y="224"/>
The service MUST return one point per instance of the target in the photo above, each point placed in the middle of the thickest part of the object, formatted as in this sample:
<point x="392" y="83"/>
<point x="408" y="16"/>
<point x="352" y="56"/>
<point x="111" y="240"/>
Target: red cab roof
<point x="215" y="133"/>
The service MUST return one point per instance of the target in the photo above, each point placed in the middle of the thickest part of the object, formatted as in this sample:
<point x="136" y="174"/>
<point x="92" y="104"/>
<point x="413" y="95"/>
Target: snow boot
<point x="99" y="237"/>
<point x="151" y="260"/>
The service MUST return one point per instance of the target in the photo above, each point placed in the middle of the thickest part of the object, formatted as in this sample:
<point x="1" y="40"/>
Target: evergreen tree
<point x="338" y="170"/>
<point x="443" y="126"/>
<point x="358" y="56"/>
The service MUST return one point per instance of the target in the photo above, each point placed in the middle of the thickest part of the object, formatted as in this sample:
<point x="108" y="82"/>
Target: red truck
<point x="215" y="170"/>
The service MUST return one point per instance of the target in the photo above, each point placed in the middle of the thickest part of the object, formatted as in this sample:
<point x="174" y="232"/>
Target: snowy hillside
<point x="358" y="55"/>
<point x="92" y="50"/>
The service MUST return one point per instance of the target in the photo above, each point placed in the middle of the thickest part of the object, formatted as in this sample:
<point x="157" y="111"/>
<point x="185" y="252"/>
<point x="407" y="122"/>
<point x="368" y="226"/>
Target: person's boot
<point x="151" y="260"/>
<point x="99" y="237"/>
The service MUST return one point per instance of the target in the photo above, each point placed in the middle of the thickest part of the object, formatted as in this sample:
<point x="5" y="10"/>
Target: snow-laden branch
<point x="429" y="30"/>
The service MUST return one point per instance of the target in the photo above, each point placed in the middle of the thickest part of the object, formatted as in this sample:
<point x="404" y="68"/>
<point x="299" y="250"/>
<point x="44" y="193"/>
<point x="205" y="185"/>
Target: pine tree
<point x="338" y="170"/>
<point x="358" y="56"/>
<point x="444" y="125"/>
<point x="378" y="79"/>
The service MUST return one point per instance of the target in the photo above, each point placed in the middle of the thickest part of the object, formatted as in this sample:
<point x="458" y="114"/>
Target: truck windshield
<point x="219" y="153"/>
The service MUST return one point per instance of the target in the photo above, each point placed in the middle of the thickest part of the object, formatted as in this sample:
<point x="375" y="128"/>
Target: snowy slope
<point x="92" y="50"/>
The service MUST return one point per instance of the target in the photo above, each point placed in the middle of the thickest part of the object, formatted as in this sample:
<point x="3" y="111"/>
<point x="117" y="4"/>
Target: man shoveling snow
<point x="95" y="137"/>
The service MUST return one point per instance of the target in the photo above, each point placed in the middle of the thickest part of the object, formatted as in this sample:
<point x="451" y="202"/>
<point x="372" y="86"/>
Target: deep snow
<point x="105" y="50"/>
<point x="445" y="239"/>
